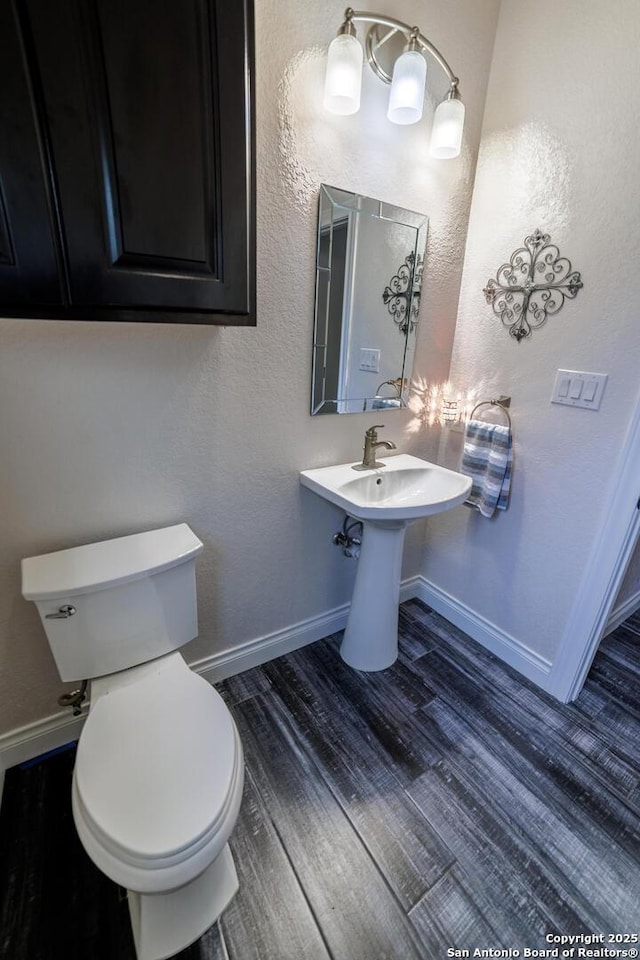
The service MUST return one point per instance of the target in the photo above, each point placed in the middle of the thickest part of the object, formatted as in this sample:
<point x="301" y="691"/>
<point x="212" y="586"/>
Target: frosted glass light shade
<point x="406" y="99"/>
<point x="448" y="123"/>
<point x="343" y="79"/>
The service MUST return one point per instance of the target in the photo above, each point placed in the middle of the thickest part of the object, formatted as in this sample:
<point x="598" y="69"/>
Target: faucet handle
<point x="371" y="432"/>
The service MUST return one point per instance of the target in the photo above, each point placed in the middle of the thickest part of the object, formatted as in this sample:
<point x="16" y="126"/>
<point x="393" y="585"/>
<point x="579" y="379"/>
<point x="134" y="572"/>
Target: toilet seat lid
<point x="156" y="763"/>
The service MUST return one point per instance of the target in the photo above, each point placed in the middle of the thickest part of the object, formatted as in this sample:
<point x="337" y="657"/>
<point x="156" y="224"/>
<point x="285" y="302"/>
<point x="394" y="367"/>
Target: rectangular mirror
<point x="369" y="264"/>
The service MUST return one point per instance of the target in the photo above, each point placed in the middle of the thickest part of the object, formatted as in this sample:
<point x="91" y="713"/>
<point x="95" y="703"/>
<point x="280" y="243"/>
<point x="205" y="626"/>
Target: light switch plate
<point x="369" y="359"/>
<point x="576" y="388"/>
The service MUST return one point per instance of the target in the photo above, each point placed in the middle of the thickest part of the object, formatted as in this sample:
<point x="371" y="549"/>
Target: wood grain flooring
<point x="445" y="804"/>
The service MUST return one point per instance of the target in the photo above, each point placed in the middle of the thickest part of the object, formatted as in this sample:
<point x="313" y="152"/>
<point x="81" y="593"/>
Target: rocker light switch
<point x="579" y="389"/>
<point x="576" y="388"/>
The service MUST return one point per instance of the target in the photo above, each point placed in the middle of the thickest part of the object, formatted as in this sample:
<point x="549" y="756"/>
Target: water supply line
<point x="349" y="542"/>
<point x="74" y="699"/>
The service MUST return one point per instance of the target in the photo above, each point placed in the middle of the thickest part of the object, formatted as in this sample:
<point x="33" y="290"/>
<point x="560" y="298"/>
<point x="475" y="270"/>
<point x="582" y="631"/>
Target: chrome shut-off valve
<point x="74" y="699"/>
<point x="344" y="538"/>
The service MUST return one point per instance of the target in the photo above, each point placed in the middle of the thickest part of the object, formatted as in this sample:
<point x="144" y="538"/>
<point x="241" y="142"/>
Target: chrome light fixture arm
<point x="343" y="78"/>
<point x="411" y="33"/>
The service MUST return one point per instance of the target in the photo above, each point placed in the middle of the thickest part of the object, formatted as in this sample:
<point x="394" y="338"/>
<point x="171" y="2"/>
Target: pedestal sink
<point x="386" y="499"/>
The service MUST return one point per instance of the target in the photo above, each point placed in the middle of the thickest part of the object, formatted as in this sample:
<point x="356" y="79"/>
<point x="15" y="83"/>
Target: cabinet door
<point x="147" y="104"/>
<point x="28" y="251"/>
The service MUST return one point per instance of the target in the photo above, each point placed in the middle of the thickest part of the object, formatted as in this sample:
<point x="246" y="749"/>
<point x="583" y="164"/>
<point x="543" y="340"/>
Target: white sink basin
<point x="406" y="488"/>
<point x="386" y="499"/>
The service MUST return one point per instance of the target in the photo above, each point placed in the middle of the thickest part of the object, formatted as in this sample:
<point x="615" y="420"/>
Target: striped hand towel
<point x="487" y="458"/>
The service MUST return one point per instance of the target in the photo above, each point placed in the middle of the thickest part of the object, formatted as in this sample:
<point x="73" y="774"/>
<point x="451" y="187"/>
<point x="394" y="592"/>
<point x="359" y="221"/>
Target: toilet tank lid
<point x="96" y="566"/>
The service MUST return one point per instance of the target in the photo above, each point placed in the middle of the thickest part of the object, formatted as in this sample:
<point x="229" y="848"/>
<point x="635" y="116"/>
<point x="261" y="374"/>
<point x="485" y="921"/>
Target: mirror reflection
<point x="370" y="258"/>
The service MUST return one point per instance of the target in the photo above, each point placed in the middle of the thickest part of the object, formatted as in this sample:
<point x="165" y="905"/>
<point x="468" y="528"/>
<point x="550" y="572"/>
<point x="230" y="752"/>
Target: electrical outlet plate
<point x="576" y="388"/>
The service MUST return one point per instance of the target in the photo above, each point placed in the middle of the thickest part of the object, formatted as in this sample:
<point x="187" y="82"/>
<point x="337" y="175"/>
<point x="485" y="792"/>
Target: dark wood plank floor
<point x="445" y="803"/>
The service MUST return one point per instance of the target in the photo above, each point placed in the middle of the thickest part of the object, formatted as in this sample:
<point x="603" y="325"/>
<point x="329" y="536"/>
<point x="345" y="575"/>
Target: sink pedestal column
<point x="371" y="636"/>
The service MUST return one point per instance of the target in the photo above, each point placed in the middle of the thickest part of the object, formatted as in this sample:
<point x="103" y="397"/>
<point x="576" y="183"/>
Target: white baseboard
<point x="410" y="588"/>
<point x="28" y="742"/>
<point x="506" y="647"/>
<point x="255" y="652"/>
<point x="39" y="737"/>
<point x="621" y="612"/>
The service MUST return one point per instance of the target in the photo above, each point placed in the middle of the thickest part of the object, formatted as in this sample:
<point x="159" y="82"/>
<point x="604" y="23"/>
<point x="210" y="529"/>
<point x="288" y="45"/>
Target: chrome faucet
<point x="371" y="443"/>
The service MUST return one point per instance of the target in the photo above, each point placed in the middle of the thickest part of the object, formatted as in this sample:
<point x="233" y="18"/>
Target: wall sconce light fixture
<point x="343" y="79"/>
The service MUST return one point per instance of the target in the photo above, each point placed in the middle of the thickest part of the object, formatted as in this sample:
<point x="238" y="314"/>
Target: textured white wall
<point x="560" y="150"/>
<point x="109" y="428"/>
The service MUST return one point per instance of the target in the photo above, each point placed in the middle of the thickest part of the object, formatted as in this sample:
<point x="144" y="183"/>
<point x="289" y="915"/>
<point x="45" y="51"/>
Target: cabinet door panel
<point x="157" y="186"/>
<point x="28" y="258"/>
<point x="148" y="119"/>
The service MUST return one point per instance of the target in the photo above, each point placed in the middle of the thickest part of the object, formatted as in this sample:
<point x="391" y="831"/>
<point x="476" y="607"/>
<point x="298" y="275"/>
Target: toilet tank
<point x="132" y="599"/>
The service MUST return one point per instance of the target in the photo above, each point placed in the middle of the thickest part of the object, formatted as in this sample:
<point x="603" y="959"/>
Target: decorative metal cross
<point x="532" y="286"/>
<point x="402" y="296"/>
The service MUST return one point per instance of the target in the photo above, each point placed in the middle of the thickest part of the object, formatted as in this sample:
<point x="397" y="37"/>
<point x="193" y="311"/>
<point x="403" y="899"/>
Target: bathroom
<point x="112" y="428"/>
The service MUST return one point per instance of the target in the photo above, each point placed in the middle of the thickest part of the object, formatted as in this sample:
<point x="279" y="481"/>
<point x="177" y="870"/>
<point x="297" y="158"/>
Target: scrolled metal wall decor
<point x="402" y="296"/>
<point x="532" y="286"/>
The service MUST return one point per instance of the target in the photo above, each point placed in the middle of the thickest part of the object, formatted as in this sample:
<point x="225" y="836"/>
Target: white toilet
<point x="159" y="770"/>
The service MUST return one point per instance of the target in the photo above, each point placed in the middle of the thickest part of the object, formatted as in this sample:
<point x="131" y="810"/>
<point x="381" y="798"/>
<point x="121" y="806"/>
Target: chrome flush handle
<point x="63" y="613"/>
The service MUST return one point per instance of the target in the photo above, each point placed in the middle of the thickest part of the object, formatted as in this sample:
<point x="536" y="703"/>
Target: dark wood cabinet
<point x="126" y="159"/>
<point x="30" y="270"/>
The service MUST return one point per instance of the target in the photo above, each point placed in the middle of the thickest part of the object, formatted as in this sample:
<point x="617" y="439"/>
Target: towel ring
<point x="502" y="402"/>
